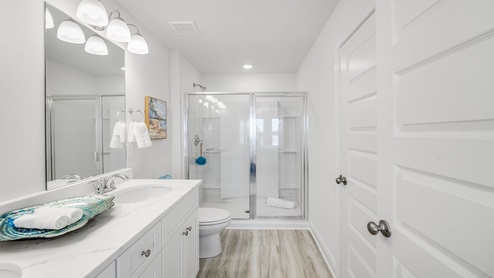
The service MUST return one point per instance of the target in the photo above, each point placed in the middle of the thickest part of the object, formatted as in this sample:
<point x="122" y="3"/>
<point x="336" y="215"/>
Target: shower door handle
<point x="341" y="179"/>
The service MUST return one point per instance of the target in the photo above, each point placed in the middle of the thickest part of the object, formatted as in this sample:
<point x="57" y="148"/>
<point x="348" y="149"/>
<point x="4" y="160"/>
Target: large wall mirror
<point x="85" y="99"/>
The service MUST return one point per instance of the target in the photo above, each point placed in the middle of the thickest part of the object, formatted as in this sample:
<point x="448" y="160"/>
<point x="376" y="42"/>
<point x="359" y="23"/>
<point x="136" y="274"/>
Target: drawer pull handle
<point x="146" y="253"/>
<point x="186" y="233"/>
<point x="189" y="228"/>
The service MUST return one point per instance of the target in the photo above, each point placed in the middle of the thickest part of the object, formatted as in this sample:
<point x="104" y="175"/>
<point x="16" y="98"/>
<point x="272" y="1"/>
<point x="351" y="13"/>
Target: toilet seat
<point x="213" y="216"/>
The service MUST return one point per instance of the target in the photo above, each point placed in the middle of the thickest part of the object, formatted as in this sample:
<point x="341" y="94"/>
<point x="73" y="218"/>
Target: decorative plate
<point x="90" y="206"/>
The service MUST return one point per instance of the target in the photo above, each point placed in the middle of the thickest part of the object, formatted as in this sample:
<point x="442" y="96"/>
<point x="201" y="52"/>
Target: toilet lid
<point x="212" y="215"/>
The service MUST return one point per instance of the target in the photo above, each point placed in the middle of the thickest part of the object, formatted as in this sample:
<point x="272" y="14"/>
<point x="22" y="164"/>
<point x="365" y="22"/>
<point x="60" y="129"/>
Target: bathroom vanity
<point x="146" y="234"/>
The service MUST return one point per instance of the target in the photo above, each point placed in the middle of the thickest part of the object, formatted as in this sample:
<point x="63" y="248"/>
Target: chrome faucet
<point x="109" y="184"/>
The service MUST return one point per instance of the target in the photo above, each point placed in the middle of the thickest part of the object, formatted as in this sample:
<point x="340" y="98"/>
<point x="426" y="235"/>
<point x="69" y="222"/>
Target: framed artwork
<point x="155" y="112"/>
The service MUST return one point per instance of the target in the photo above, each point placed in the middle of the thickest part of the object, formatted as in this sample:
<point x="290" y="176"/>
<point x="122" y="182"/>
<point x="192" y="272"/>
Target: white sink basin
<point x="141" y="193"/>
<point x="10" y="270"/>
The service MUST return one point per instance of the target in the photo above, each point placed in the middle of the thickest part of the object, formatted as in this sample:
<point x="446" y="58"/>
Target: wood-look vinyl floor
<point x="266" y="254"/>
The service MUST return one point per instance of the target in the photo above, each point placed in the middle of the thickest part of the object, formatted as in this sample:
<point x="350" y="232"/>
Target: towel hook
<point x="133" y="111"/>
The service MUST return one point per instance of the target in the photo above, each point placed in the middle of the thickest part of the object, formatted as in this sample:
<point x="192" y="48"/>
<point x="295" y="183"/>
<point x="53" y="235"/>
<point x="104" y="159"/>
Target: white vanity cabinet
<point x="181" y="254"/>
<point x="169" y="249"/>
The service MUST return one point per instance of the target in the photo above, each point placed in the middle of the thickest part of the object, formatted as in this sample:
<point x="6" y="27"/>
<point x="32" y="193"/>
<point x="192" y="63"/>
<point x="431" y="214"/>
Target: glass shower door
<point x="218" y="131"/>
<point x="280" y="156"/>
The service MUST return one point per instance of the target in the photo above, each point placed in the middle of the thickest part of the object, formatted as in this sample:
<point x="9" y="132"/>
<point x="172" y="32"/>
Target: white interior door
<point x="358" y="97"/>
<point x="436" y="137"/>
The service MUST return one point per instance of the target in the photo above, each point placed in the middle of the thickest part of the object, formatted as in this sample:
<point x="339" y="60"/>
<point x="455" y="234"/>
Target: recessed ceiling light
<point x="123" y="68"/>
<point x="247" y="66"/>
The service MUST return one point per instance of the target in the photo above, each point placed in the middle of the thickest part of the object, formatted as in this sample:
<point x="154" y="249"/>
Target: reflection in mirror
<point x="85" y="99"/>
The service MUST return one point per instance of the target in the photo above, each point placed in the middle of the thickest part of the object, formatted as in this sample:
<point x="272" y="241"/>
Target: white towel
<point x="142" y="135"/>
<point x="118" y="136"/>
<point x="74" y="214"/>
<point x="38" y="221"/>
<point x="280" y="203"/>
<point x="131" y="138"/>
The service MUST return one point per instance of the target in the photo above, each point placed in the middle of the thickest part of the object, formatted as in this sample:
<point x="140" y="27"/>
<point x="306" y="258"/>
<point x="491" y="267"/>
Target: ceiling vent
<point x="185" y="27"/>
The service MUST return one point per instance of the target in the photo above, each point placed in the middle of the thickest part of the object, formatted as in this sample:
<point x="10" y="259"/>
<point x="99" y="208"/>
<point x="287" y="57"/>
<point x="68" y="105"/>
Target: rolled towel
<point x="280" y="203"/>
<point x="45" y="221"/>
<point x="74" y="214"/>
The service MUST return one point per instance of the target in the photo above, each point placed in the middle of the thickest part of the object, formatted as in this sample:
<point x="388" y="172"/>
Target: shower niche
<point x="255" y="151"/>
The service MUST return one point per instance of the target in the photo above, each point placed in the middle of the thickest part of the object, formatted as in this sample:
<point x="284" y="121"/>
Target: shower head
<point x="200" y="86"/>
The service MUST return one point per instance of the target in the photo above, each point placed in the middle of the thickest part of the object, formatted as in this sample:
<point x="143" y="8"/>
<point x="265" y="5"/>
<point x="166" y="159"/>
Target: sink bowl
<point x="10" y="270"/>
<point x="141" y="193"/>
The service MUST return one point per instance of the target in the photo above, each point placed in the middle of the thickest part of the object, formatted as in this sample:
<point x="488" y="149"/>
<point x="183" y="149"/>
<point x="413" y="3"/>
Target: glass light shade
<point x="95" y="45"/>
<point x="92" y="12"/>
<point x="138" y="45"/>
<point x="117" y="30"/>
<point x="71" y="32"/>
<point x="48" y="19"/>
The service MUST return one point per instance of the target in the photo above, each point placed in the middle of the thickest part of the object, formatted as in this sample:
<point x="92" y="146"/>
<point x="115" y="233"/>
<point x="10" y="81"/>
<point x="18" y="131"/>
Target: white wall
<point x="317" y="76"/>
<point x="110" y="84"/>
<point x="22" y="144"/>
<point x="250" y="82"/>
<point x="69" y="80"/>
<point x="183" y="75"/>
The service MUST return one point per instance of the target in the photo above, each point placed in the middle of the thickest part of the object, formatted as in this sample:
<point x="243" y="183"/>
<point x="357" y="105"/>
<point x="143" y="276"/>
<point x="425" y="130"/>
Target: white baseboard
<point x="326" y="254"/>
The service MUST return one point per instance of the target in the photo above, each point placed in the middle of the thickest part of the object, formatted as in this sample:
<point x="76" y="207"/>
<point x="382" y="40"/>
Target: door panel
<point x="358" y="151"/>
<point x="436" y="138"/>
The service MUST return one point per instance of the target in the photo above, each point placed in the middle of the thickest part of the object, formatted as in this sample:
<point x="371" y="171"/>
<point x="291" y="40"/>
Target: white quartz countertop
<point x="87" y="251"/>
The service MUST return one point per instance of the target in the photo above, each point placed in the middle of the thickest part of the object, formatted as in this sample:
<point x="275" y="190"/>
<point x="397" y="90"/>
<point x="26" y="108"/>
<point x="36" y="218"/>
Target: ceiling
<point x="272" y="35"/>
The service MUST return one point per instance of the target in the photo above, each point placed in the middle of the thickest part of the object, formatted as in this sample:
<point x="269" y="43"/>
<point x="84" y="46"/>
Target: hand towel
<point x="45" y="221"/>
<point x="280" y="203"/>
<point x="131" y="138"/>
<point x="74" y="214"/>
<point x="142" y="135"/>
<point x="118" y="136"/>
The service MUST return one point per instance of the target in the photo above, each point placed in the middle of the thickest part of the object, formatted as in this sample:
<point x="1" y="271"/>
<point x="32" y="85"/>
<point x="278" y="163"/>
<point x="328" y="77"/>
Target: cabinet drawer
<point x="173" y="220"/>
<point x="152" y="271"/>
<point x="142" y="252"/>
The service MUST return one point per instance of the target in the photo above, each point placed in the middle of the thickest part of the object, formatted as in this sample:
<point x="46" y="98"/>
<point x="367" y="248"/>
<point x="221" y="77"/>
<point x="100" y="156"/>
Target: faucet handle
<point x="98" y="186"/>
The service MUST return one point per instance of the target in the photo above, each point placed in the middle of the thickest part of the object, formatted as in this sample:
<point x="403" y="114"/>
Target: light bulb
<point x="92" y="12"/>
<point x="48" y="19"/>
<point x="117" y="30"/>
<point x="138" y="45"/>
<point x="71" y="32"/>
<point x="95" y="45"/>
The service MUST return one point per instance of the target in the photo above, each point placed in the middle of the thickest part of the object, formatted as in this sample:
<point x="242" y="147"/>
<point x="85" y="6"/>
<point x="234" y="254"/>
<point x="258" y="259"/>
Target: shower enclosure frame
<point x="253" y="146"/>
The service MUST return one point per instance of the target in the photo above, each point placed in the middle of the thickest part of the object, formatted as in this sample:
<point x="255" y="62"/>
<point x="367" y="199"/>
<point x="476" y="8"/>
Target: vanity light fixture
<point x="137" y="44"/>
<point x="95" y="45"/>
<point x="48" y="19"/>
<point x="117" y="30"/>
<point x="92" y="12"/>
<point x="247" y="66"/>
<point x="70" y="32"/>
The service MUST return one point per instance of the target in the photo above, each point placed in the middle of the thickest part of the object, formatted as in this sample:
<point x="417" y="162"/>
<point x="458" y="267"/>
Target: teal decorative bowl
<point x="90" y="206"/>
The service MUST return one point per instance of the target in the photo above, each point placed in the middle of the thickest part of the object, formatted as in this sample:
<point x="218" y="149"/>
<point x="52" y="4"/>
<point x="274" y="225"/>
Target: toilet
<point x="211" y="222"/>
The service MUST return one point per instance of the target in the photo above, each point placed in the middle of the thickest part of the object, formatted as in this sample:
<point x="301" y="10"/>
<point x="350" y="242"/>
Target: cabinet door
<point x="190" y="247"/>
<point x="172" y="257"/>
<point x="153" y="270"/>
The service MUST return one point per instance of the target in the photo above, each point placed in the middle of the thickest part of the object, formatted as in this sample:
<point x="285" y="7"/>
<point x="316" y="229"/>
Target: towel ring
<point x="134" y="111"/>
<point x="118" y="115"/>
